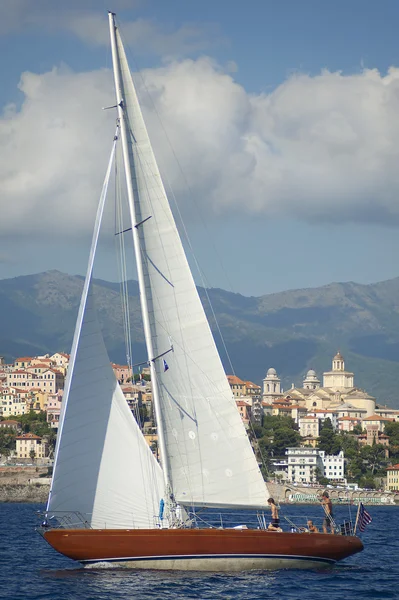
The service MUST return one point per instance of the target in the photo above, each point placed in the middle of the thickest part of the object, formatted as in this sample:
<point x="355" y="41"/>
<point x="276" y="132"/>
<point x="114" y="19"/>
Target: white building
<point x="305" y="465"/>
<point x="271" y="386"/>
<point x="311" y="382"/>
<point x="334" y="467"/>
<point x="338" y="379"/>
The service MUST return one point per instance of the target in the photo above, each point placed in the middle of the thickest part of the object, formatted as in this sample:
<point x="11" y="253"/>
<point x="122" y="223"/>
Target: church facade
<point x="338" y="393"/>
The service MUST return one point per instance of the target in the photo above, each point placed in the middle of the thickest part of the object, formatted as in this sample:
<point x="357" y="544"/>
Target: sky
<point x="276" y="125"/>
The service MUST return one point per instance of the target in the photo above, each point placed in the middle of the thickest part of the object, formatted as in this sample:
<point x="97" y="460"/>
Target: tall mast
<point x="137" y="250"/>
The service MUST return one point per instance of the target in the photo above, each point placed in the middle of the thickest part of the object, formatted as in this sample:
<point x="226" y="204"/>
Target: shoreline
<point x="32" y="484"/>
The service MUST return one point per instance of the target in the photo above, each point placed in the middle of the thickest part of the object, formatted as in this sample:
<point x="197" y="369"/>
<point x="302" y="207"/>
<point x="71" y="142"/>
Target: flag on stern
<point x="165" y="366"/>
<point x="364" y="518"/>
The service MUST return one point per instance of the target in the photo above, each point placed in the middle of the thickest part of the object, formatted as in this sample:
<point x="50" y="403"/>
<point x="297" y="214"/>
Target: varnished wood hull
<point x="202" y="549"/>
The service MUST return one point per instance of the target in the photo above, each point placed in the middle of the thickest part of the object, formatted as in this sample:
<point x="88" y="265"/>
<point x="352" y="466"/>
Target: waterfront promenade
<point x="295" y="494"/>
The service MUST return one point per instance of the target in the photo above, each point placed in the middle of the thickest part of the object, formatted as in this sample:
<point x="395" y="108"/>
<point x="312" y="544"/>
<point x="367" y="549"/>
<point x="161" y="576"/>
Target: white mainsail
<point x="104" y="469"/>
<point x="208" y="456"/>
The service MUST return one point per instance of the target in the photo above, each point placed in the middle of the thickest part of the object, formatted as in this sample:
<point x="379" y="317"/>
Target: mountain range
<point x="291" y="331"/>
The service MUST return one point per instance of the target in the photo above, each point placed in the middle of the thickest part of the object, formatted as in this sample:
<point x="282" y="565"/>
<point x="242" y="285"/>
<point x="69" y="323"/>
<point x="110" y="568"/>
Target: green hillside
<point x="291" y="331"/>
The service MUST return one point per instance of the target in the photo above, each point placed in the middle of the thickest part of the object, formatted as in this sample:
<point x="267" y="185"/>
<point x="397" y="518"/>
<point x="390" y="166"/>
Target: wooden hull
<point x="202" y="549"/>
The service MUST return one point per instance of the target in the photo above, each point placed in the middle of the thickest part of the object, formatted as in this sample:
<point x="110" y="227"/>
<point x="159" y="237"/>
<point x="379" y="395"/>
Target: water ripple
<point x="30" y="569"/>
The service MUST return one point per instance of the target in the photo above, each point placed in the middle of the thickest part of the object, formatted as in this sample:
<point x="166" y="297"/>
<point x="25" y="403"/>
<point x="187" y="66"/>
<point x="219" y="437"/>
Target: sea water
<point x="30" y="569"/>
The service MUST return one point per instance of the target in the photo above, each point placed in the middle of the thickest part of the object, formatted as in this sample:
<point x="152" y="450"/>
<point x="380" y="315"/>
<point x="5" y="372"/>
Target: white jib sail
<point x="103" y="468"/>
<point x="210" y="459"/>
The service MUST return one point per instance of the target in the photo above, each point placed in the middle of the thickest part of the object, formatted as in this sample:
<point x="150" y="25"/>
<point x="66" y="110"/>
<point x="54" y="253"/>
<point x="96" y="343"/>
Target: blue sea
<point x="30" y="569"/>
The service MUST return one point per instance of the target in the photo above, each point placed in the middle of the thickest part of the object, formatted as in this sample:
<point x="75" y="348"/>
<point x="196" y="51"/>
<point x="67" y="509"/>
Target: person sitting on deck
<point x="275" y="524"/>
<point x="311" y="527"/>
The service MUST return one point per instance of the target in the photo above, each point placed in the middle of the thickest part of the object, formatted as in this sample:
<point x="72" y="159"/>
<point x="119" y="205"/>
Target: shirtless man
<point x="328" y="509"/>
<point x="275" y="524"/>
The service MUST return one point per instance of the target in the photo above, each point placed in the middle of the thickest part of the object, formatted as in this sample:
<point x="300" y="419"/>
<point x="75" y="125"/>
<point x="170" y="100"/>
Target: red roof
<point x="252" y="385"/>
<point x="242" y="403"/>
<point x="393" y="468"/>
<point x="24" y="359"/>
<point x="28" y="436"/>
<point x="234" y="380"/>
<point x="377" y="418"/>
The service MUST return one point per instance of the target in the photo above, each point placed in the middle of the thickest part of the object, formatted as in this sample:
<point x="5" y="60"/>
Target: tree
<point x="374" y="458"/>
<point x="392" y="430"/>
<point x="329" y="440"/>
<point x="32" y="454"/>
<point x="357" y="430"/>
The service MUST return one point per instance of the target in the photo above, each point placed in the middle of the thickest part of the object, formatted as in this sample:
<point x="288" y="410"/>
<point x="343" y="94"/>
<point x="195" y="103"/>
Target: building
<point x="10" y="424"/>
<point x="311" y="382"/>
<point x="348" y="423"/>
<point x="244" y="408"/>
<point x="252" y="390"/>
<point x="237" y="386"/>
<point x="392" y="478"/>
<point x="309" y="426"/>
<point x="373" y="435"/>
<point x="322" y="415"/>
<point x="376" y="420"/>
<point x="12" y="402"/>
<point x="386" y="411"/>
<point x="334" y="467"/>
<point x="338" y="388"/>
<point x="122" y="372"/>
<point x="53" y="408"/>
<point x="272" y="386"/>
<point x="29" y="445"/>
<point x="305" y="465"/>
<point x="338" y="379"/>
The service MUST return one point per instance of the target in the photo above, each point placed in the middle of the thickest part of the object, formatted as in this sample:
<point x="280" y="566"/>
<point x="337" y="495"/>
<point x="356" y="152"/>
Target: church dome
<point x="271" y="372"/>
<point x="311" y="373"/>
<point x="338" y="356"/>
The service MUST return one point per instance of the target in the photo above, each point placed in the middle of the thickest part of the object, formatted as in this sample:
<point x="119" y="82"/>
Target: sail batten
<point x="207" y="452"/>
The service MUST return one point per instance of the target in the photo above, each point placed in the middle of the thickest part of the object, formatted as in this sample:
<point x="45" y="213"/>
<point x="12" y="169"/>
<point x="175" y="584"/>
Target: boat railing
<point x="212" y="519"/>
<point x="65" y="520"/>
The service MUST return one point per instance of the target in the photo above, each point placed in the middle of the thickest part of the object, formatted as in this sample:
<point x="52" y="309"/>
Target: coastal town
<point x="299" y="435"/>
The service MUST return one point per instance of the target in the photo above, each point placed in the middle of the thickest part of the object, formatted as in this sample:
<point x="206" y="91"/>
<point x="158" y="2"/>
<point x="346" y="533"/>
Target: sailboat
<point x="110" y="499"/>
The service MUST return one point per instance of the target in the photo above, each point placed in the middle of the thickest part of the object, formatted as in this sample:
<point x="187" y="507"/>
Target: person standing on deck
<point x="275" y="524"/>
<point x="328" y="509"/>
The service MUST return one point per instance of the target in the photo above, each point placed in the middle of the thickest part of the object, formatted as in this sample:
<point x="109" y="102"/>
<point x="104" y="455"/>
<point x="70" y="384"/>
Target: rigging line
<point x="179" y="213"/>
<point x="138" y="154"/>
<point x="148" y="197"/>
<point x="201" y="274"/>
<point x="123" y="273"/>
<point x="121" y="262"/>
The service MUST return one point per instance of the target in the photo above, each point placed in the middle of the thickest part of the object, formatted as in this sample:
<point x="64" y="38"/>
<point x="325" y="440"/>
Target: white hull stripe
<point x="213" y="556"/>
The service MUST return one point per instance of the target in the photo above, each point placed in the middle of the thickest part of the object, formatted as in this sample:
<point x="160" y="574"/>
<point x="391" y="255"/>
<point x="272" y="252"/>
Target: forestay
<point x="209" y="457"/>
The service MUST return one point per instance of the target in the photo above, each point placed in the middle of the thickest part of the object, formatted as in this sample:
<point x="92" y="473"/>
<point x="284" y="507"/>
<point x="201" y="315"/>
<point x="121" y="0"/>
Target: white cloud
<point x="316" y="148"/>
<point x="53" y="152"/>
